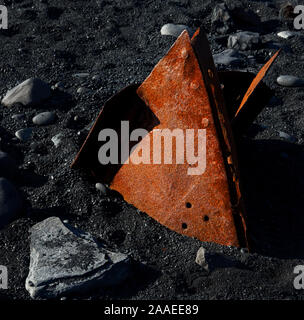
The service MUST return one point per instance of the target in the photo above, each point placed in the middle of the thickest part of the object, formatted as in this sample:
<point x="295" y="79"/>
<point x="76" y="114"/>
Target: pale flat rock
<point x="286" y="34"/>
<point x="65" y="260"/>
<point x="30" y="92"/>
<point x="290" y="81"/>
<point x="175" y="30"/>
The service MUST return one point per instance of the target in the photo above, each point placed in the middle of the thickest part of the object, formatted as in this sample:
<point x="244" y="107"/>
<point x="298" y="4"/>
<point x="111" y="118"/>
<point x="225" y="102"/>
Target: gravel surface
<point x="86" y="51"/>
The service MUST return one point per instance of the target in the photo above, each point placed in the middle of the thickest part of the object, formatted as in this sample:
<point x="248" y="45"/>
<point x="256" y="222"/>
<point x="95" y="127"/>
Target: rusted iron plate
<point x="254" y="99"/>
<point x="183" y="91"/>
<point x="195" y="205"/>
<point x="222" y="122"/>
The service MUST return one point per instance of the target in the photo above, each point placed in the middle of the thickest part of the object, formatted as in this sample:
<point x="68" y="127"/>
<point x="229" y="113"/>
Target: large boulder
<point x="65" y="260"/>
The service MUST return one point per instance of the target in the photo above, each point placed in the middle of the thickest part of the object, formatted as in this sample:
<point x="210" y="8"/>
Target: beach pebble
<point x="290" y="81"/>
<point x="287" y="137"/>
<point x="201" y="258"/>
<point x="101" y="187"/>
<point x="82" y="90"/>
<point x="175" y="30"/>
<point x="30" y="92"/>
<point x="24" y="134"/>
<point x="81" y="75"/>
<point x="286" y="34"/>
<point x="44" y="118"/>
<point x="245" y="40"/>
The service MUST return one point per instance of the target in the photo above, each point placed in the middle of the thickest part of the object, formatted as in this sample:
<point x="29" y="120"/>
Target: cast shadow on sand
<point x="272" y="175"/>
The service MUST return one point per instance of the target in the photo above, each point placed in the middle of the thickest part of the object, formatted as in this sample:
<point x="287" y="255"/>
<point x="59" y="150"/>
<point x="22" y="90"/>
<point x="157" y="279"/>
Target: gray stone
<point x="24" y="134"/>
<point x="201" y="258"/>
<point x="286" y="34"/>
<point x="65" y="260"/>
<point x="10" y="202"/>
<point x="290" y="81"/>
<point x="83" y="90"/>
<point x="101" y="187"/>
<point x="244" y="40"/>
<point x="59" y="85"/>
<point x="175" y="30"/>
<point x="8" y="168"/>
<point x="57" y="139"/>
<point x="18" y="117"/>
<point x="221" y="19"/>
<point x="287" y="137"/>
<point x="81" y="75"/>
<point x="228" y="57"/>
<point x="30" y="92"/>
<point x="44" y="118"/>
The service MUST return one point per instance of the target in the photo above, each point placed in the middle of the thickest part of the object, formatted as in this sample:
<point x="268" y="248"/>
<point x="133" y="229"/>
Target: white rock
<point x="30" y="92"/>
<point x="201" y="258"/>
<point x="175" y="30"/>
<point x="286" y="34"/>
<point x="290" y="81"/>
<point x="57" y="139"/>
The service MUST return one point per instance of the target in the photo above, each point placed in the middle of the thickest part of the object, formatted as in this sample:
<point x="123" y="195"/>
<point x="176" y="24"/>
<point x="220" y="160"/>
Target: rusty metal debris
<point x="184" y="91"/>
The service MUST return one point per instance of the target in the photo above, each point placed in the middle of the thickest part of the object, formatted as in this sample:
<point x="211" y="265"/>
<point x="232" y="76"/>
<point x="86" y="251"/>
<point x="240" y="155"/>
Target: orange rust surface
<point x="256" y="81"/>
<point x="197" y="205"/>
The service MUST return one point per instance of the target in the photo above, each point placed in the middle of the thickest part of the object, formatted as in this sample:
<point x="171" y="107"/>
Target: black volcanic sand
<point x="121" y="42"/>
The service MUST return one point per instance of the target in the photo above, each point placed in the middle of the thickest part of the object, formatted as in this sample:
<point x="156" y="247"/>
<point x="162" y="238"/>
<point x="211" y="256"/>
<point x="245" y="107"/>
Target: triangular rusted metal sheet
<point x="195" y="205"/>
<point x="182" y="92"/>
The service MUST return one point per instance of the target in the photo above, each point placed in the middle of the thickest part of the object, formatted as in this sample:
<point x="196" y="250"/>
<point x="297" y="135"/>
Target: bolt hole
<point x="188" y="205"/>
<point x="206" y="218"/>
<point x="184" y="225"/>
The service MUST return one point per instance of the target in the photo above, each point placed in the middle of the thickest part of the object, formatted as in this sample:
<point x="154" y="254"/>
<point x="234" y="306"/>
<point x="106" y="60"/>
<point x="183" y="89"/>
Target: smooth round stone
<point x="59" y="85"/>
<point x="82" y="90"/>
<point x="286" y="34"/>
<point x="10" y="202"/>
<point x="81" y="75"/>
<point x="101" y="187"/>
<point x="44" y="118"/>
<point x="290" y="81"/>
<point x="174" y="30"/>
<point x="24" y="134"/>
<point x="8" y="168"/>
